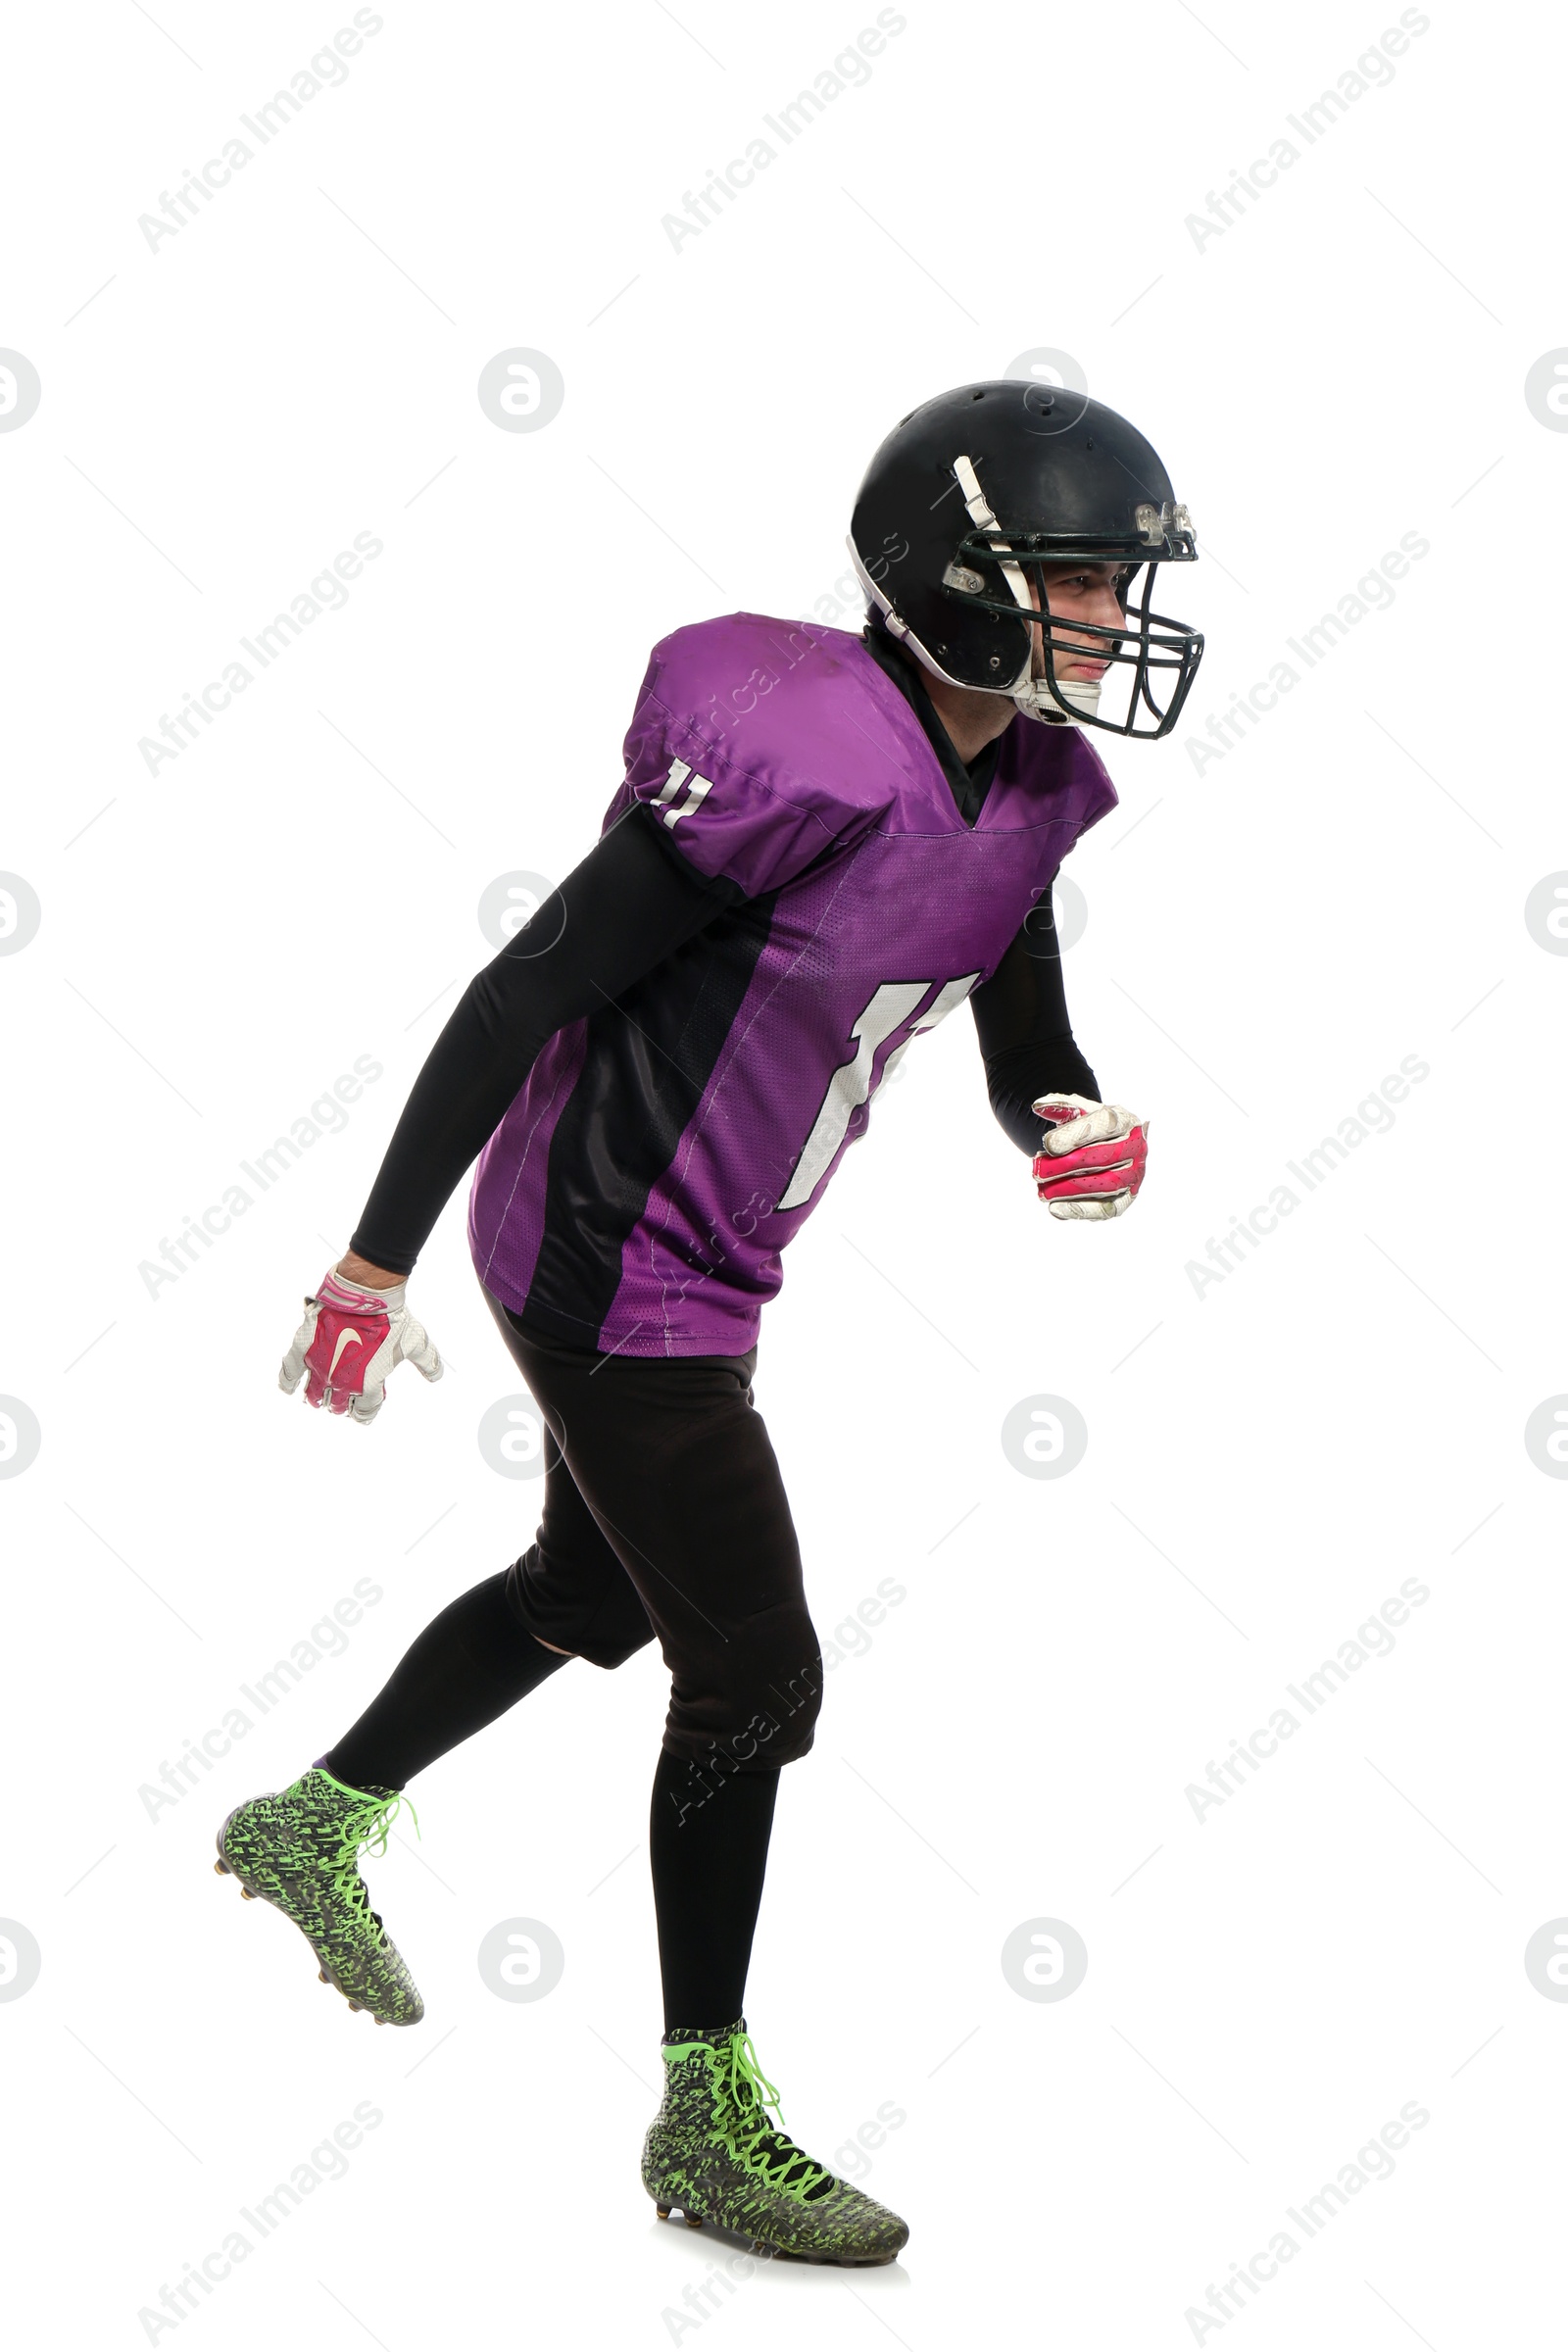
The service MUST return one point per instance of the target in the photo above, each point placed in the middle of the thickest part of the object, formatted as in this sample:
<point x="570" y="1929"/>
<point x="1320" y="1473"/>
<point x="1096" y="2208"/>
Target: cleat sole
<point x="836" y="2262"/>
<point x="760" y="2247"/>
<point x="692" y="2220"/>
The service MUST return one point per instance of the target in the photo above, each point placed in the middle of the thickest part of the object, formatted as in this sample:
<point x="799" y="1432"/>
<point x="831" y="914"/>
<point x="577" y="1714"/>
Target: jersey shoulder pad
<point x="748" y="744"/>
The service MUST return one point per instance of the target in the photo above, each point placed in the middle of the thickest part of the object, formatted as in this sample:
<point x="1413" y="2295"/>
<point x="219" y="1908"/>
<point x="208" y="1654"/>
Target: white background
<point x="1268" y="934"/>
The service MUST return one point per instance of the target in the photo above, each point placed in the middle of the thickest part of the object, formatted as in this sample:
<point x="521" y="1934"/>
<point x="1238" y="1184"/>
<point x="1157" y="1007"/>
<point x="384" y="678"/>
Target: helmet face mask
<point x="1043" y="478"/>
<point x="1152" y="658"/>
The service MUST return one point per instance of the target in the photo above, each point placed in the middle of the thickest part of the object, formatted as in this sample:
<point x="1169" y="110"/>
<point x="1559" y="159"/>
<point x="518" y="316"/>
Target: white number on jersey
<point x="679" y="775"/>
<point x="851" y="1083"/>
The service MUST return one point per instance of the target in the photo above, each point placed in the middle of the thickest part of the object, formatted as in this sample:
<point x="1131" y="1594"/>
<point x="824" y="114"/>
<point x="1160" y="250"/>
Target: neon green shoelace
<point x="366" y="1825"/>
<point x="741" y="2113"/>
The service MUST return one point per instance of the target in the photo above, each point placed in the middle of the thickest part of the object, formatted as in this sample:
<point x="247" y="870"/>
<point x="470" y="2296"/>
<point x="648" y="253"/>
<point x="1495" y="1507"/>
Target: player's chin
<point x="1091" y="1211"/>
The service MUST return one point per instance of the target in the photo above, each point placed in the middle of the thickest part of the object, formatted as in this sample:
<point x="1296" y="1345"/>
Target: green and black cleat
<point x="299" y="1849"/>
<point x="714" y="2154"/>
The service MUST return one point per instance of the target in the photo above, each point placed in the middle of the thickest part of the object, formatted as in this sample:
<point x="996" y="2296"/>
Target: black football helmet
<point x="971" y="496"/>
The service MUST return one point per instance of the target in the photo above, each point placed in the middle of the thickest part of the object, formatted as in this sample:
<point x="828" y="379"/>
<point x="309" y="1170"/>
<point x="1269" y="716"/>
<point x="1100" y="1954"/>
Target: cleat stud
<point x="694" y="2221"/>
<point x="322" y="1974"/>
<point x="221" y="1867"/>
<point x="663" y="2212"/>
<point x="246" y="1895"/>
<point x="355" y="2005"/>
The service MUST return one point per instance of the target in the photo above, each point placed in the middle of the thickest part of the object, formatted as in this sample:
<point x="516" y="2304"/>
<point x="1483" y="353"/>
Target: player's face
<point x="1078" y="591"/>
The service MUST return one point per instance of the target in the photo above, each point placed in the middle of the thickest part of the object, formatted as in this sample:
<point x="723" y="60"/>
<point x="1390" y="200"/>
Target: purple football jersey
<point x="639" y="1191"/>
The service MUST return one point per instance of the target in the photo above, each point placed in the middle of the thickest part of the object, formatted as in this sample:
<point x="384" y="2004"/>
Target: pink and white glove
<point x="1091" y="1163"/>
<point x="350" y="1341"/>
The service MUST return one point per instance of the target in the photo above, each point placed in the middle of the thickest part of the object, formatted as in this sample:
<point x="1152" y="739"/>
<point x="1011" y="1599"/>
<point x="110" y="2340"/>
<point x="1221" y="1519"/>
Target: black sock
<point x="469" y="1665"/>
<point x="709" y="1855"/>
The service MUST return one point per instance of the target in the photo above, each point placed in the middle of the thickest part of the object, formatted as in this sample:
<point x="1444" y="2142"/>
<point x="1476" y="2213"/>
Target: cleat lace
<point x="743" y="2096"/>
<point x="366" y="1827"/>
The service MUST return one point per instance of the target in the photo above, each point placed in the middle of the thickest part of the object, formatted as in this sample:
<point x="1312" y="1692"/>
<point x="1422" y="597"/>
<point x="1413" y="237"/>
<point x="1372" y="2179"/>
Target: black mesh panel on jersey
<point x="646" y="1067"/>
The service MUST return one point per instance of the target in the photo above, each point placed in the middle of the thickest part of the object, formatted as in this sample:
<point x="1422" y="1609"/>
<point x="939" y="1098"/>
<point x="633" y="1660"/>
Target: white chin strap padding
<point x="1071" y="697"/>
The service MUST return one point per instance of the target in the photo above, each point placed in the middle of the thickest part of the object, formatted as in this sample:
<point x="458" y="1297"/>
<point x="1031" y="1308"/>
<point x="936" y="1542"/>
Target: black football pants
<point x="665" y="1515"/>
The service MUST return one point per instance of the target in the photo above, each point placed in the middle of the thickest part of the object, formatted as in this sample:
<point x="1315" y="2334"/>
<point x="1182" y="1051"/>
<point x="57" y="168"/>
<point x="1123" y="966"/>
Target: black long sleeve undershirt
<point x="634" y="900"/>
<point x="1021" y="1016"/>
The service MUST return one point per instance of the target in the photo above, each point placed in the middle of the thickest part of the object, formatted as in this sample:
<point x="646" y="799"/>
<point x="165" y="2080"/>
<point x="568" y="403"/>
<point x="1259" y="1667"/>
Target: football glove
<point x="350" y="1341"/>
<point x="1091" y="1163"/>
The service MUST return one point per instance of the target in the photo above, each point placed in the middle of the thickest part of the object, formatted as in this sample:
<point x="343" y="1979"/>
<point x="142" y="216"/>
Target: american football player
<point x="824" y="845"/>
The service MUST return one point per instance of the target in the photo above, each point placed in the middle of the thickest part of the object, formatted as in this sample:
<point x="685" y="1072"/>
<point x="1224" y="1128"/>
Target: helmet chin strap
<point x="1055" y="705"/>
